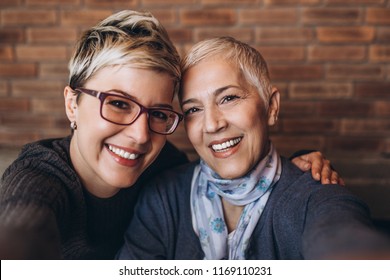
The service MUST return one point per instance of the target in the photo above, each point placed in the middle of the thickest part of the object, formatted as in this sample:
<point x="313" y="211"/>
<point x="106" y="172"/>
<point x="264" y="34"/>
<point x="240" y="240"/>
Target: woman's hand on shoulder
<point x="320" y="167"/>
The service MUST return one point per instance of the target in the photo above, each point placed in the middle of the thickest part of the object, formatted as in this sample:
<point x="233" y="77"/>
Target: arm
<point x="320" y="167"/>
<point x="338" y="226"/>
<point x="28" y="224"/>
<point x="28" y="231"/>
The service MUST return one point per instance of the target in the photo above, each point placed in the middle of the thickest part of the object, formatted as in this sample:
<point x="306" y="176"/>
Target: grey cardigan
<point x="302" y="220"/>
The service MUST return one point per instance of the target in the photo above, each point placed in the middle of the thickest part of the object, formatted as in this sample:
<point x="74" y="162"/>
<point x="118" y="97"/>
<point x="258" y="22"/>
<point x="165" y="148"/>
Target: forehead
<point x="211" y="74"/>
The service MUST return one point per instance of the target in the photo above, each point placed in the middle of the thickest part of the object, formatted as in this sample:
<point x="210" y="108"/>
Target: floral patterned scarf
<point x="252" y="190"/>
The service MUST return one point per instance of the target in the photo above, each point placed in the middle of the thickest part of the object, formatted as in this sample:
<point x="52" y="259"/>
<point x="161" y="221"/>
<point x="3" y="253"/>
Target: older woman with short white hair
<point x="242" y="200"/>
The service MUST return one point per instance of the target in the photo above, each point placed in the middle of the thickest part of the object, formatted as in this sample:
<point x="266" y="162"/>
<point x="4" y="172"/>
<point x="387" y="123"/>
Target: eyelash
<point x="190" y="111"/>
<point x="225" y="99"/>
<point x="228" y="98"/>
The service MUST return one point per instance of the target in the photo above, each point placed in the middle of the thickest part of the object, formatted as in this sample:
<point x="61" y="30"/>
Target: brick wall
<point x="330" y="59"/>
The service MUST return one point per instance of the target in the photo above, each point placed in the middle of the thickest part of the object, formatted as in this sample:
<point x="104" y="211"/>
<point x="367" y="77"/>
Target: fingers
<point x="301" y="163"/>
<point x="321" y="168"/>
<point x="316" y="159"/>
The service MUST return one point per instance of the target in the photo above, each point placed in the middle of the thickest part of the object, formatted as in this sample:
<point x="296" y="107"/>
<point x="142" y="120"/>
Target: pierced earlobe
<point x="73" y="125"/>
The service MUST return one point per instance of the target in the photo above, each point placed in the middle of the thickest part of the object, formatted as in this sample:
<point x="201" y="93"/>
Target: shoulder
<point x="41" y="172"/>
<point x="298" y="190"/>
<point x="175" y="182"/>
<point x="48" y="155"/>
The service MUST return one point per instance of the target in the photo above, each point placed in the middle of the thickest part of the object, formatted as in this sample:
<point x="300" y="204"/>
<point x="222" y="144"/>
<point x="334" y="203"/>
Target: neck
<point x="232" y="214"/>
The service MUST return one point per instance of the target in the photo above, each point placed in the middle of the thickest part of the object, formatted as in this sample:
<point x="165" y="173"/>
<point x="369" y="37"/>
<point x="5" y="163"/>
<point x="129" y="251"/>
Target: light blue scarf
<point x="252" y="190"/>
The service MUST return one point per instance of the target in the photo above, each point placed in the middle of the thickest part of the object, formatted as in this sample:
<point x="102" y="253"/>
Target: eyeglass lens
<point x="124" y="111"/>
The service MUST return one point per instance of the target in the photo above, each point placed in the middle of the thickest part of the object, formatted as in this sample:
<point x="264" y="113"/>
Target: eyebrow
<point x="215" y="93"/>
<point x="158" y="105"/>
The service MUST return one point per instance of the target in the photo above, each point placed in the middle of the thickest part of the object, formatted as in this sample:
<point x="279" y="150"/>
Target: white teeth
<point x="225" y="145"/>
<point x="122" y="153"/>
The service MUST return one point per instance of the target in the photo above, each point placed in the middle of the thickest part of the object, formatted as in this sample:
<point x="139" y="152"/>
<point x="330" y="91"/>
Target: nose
<point x="214" y="120"/>
<point x="139" y="129"/>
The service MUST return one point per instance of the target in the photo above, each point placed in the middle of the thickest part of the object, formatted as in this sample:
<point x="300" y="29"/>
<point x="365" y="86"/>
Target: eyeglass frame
<point x="101" y="95"/>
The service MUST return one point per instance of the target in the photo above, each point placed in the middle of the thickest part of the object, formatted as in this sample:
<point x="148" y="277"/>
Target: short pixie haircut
<point x="131" y="38"/>
<point x="250" y="62"/>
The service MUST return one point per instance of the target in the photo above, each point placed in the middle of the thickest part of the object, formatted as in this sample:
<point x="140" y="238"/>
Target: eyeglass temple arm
<point x="89" y="91"/>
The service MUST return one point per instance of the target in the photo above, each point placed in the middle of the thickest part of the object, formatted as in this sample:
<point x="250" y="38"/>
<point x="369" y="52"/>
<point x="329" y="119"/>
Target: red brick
<point x="37" y="88"/>
<point x="41" y="53"/>
<point x="276" y="53"/>
<point x="166" y="17"/>
<point x="382" y="108"/>
<point x="27" y="120"/>
<point x="287" y="144"/>
<point x="377" y="90"/>
<point x="13" y="137"/>
<point x="52" y="2"/>
<point x="28" y="17"/>
<point x="343" y="108"/>
<point x="383" y="34"/>
<point x="14" y="104"/>
<point x="54" y="70"/>
<point x="321" y="90"/>
<point x="129" y="4"/>
<point x="3" y="88"/>
<point x="365" y="127"/>
<point x="296" y="72"/>
<point x="6" y="53"/>
<point x="168" y="2"/>
<point x="358" y="34"/>
<point x="378" y="15"/>
<point x="85" y="18"/>
<point x="356" y="72"/>
<point x="240" y="3"/>
<point x="355" y="2"/>
<point x="279" y="16"/>
<point x="11" y="35"/>
<point x="207" y="17"/>
<point x="284" y="35"/>
<point x="380" y="53"/>
<point x="331" y="15"/>
<point x="311" y="126"/>
<point x="355" y="144"/>
<point x="242" y="34"/>
<point x="10" y="3"/>
<point x="291" y="2"/>
<point x="8" y="70"/>
<point x="48" y="106"/>
<point x="294" y="108"/>
<point x="336" y="53"/>
<point x="58" y="35"/>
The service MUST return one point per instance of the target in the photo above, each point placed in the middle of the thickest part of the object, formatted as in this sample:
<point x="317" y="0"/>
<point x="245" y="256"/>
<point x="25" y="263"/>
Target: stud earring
<point x="73" y="125"/>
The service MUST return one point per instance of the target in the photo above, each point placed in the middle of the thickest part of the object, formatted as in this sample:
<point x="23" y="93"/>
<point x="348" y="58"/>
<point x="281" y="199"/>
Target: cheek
<point x="192" y="131"/>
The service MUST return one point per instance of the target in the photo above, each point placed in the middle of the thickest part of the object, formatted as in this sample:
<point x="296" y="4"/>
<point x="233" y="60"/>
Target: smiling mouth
<point x="122" y="153"/>
<point x="226" y="145"/>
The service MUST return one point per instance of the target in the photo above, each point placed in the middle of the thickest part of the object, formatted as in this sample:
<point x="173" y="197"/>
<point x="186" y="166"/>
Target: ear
<point x="70" y="103"/>
<point x="273" y="110"/>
